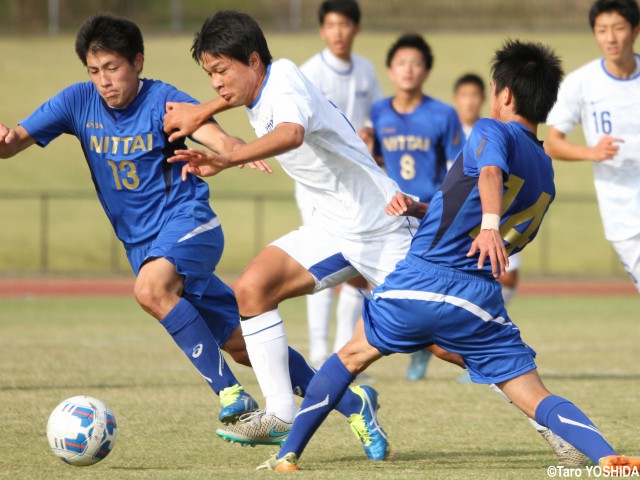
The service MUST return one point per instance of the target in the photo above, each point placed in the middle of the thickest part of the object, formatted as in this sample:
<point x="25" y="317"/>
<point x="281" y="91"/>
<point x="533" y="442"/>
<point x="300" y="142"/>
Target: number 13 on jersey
<point x="124" y="174"/>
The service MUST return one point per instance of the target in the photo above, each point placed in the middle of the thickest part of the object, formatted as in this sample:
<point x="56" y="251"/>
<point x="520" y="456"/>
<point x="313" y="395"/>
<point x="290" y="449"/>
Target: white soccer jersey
<point x="604" y="104"/>
<point x="339" y="176"/>
<point x="352" y="86"/>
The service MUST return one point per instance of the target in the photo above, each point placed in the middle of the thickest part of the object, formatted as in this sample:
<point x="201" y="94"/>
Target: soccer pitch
<point x="54" y="348"/>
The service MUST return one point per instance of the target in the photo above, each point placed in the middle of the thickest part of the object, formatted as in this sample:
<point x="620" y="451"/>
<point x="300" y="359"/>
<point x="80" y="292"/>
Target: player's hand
<point x="199" y="162"/>
<point x="181" y="119"/>
<point x="367" y="134"/>
<point x="7" y="135"/>
<point x="489" y="243"/>
<point x="401" y="205"/>
<point x="605" y="149"/>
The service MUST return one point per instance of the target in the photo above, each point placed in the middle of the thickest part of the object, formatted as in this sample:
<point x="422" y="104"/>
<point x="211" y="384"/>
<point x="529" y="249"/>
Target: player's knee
<point x="149" y="297"/>
<point x="250" y="292"/>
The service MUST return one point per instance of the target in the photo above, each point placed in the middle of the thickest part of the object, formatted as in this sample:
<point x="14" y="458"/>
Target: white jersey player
<point x="350" y="83"/>
<point x="348" y="233"/>
<point x="604" y="96"/>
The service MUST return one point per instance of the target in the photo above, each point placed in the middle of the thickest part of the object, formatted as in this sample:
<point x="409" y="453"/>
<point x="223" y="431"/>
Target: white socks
<point x="269" y="354"/>
<point x="348" y="312"/>
<point x="318" y="317"/>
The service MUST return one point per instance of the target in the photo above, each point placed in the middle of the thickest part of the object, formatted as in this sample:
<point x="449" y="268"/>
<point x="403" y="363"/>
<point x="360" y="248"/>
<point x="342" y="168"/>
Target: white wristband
<point x="490" y="221"/>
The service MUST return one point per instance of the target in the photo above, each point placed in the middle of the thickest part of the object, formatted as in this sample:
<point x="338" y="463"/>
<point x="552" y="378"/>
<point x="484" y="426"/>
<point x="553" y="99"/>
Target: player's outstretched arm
<point x="183" y="119"/>
<point x="214" y="137"/>
<point x="403" y="205"/>
<point x="558" y="147"/>
<point x="489" y="242"/>
<point x="285" y="137"/>
<point x="13" y="141"/>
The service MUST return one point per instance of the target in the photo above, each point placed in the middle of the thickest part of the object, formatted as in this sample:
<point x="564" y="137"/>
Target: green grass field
<point x="34" y="69"/>
<point x="51" y="349"/>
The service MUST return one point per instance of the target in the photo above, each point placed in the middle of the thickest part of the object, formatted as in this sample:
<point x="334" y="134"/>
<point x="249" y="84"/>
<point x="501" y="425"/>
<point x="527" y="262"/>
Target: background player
<point x="349" y="82"/>
<point x="604" y="96"/>
<point x="445" y="291"/>
<point x="348" y="234"/>
<point x="415" y="136"/>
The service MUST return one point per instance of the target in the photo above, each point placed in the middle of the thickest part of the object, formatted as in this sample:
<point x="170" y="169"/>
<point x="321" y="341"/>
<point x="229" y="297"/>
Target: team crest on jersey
<point x="388" y="130"/>
<point x="480" y="149"/>
<point x="94" y="125"/>
<point x="269" y="126"/>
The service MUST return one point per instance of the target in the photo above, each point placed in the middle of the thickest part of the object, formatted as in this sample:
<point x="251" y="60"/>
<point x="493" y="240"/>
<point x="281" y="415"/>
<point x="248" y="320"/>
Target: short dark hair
<point x="412" y="40"/>
<point x="532" y="72"/>
<point x="104" y="33"/>
<point x="469" y="79"/>
<point x="233" y="34"/>
<point x="626" y="8"/>
<point x="348" y="8"/>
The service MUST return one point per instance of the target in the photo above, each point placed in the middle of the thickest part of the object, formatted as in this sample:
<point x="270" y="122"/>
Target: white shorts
<point x="515" y="262"/>
<point x="333" y="260"/>
<point x="629" y="254"/>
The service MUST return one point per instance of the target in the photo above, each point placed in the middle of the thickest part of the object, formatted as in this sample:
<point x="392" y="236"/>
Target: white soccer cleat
<point x="567" y="454"/>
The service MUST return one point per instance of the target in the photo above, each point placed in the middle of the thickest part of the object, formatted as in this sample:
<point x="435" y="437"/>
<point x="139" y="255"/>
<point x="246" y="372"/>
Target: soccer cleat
<point x="256" y="428"/>
<point x="235" y="402"/>
<point x="568" y="455"/>
<point x="288" y="463"/>
<point x="620" y="466"/>
<point x="365" y="425"/>
<point x="418" y="364"/>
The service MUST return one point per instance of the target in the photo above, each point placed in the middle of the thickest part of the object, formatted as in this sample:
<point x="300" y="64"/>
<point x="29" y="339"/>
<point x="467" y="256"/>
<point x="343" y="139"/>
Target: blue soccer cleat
<point x="235" y="402"/>
<point x="365" y="425"/>
<point x="418" y="364"/>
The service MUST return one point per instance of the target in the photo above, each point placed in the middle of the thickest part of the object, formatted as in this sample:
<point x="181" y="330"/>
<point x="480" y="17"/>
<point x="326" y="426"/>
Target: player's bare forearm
<point x="284" y="138"/>
<point x="489" y="242"/>
<point x="557" y="146"/>
<point x="13" y="141"/>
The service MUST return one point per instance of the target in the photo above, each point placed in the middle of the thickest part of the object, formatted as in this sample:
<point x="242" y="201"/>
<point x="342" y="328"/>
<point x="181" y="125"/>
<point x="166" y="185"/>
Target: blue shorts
<point x="421" y="304"/>
<point x="194" y="244"/>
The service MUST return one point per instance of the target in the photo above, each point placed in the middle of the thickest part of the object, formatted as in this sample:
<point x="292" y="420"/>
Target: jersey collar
<point x="635" y="75"/>
<point x="336" y="64"/>
<point x="264" y="84"/>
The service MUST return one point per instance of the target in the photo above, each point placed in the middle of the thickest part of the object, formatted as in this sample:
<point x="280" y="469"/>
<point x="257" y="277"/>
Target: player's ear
<point x="507" y="96"/>
<point x="138" y="63"/>
<point x="254" y="60"/>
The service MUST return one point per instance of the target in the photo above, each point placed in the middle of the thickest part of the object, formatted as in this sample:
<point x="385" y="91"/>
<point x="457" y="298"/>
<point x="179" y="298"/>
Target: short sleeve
<point x="487" y="146"/>
<point x="566" y="113"/>
<point x="54" y="117"/>
<point x="291" y="99"/>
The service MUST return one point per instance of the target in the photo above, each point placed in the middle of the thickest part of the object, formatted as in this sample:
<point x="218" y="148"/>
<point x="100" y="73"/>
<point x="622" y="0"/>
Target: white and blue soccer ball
<point x="81" y="431"/>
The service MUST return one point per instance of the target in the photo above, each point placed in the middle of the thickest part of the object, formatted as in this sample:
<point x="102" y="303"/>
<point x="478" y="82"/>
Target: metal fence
<point x="67" y="233"/>
<point x="55" y="16"/>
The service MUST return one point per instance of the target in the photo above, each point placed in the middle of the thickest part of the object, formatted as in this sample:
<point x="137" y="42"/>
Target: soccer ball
<point x="81" y="431"/>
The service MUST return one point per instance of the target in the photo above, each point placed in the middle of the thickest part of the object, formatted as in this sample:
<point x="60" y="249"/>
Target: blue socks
<point x="302" y="374"/>
<point x="191" y="333"/>
<point x="323" y="394"/>
<point x="567" y="421"/>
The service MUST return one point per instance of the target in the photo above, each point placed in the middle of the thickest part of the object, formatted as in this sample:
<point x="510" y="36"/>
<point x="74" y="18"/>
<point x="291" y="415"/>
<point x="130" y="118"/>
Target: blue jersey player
<point x="416" y="137"/>
<point x="445" y="290"/>
<point x="172" y="237"/>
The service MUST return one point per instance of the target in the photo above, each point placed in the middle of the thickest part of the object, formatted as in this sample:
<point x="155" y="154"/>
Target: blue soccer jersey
<point x="126" y="151"/>
<point x="455" y="213"/>
<point x="416" y="146"/>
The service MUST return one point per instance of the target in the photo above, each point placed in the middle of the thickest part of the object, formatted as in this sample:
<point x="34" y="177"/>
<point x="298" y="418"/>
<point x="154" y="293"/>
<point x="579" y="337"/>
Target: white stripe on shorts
<point x="210" y="225"/>
<point x="439" y="297"/>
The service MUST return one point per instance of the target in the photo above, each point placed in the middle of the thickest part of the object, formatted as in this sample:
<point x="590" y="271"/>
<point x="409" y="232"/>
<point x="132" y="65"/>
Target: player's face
<point x="238" y="84"/>
<point x="468" y="100"/>
<point x="614" y="36"/>
<point x="408" y="71"/>
<point x="114" y="77"/>
<point x="338" y="33"/>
